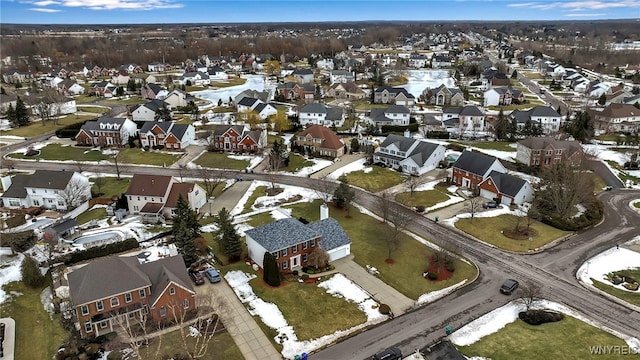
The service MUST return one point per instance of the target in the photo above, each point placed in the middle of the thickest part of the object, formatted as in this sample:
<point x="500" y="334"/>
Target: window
<point x="313" y="242"/>
<point x="87" y="327"/>
<point x="115" y="302"/>
<point x="172" y="291"/>
<point x="275" y="254"/>
<point x="559" y="152"/>
<point x="285" y="264"/>
<point x="84" y="309"/>
<point x="305" y="245"/>
<point x="99" y="305"/>
<point x="304" y="257"/>
<point x="548" y="152"/>
<point x="294" y="249"/>
<point x="142" y="293"/>
<point x="185" y="303"/>
<point x="163" y="311"/>
<point x="132" y="315"/>
<point x="128" y="297"/>
<point x="103" y="324"/>
<point x="284" y="252"/>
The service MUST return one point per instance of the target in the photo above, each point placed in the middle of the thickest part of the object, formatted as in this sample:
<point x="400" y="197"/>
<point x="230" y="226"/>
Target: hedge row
<point x="98" y="251"/>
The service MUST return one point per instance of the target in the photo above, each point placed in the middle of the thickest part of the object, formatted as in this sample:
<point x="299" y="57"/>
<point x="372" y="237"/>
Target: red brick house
<point x="321" y="140"/>
<point x="473" y="167"/>
<point x="238" y="138"/>
<point x="544" y="151"/>
<point x="116" y="291"/>
<point x="170" y="135"/>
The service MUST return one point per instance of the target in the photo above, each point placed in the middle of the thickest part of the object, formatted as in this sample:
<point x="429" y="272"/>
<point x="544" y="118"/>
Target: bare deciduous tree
<point x="318" y="258"/>
<point x="383" y="203"/>
<point x="531" y="293"/>
<point x="399" y="219"/>
<point x="211" y="179"/>
<point x="566" y="187"/>
<point x="76" y="192"/>
<point x="325" y="190"/>
<point x="473" y="206"/>
<point x="412" y="183"/>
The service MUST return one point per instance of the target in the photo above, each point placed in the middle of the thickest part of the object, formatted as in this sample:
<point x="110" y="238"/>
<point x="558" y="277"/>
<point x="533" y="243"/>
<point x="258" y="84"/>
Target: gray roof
<point x="520" y="116"/>
<point x="281" y="234"/>
<point x="148" y="125"/>
<point x="41" y="179"/>
<point x="333" y="113"/>
<point x="543" y="142"/>
<point x="507" y="184"/>
<point x="64" y="225"/>
<point x="302" y="72"/>
<point x="155" y="88"/>
<point x="221" y="129"/>
<point x="397" y="109"/>
<point x="332" y="234"/>
<point x="474" y="162"/>
<point x="452" y="110"/>
<point x="544" y="111"/>
<point x="420" y="150"/>
<point x="471" y="111"/>
<point x="247" y="101"/>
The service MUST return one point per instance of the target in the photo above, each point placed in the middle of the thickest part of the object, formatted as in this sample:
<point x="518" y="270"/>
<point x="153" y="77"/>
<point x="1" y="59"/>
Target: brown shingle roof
<point x="329" y="138"/>
<point x="619" y="111"/>
<point x="176" y="190"/>
<point x="149" y="185"/>
<point x="539" y="143"/>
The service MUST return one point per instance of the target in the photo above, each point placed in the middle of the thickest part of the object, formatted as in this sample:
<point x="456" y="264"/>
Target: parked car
<point x="213" y="275"/>
<point x="388" y="354"/>
<point x="490" y="205"/>
<point x="196" y="277"/>
<point x="509" y="286"/>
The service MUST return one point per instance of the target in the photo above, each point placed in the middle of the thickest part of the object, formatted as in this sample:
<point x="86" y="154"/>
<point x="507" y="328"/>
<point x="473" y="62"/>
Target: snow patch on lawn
<point x="435" y="295"/>
<point x="340" y="286"/>
<point x="351" y="167"/>
<point x="10" y="270"/>
<point x="608" y="261"/>
<point x="318" y="164"/>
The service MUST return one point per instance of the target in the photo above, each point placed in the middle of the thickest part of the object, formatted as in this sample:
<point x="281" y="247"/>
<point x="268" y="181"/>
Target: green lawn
<point x="369" y="246"/>
<point x="426" y="198"/>
<point x="569" y="338"/>
<point x="134" y="100"/>
<point x="637" y="204"/>
<point x="630" y="297"/>
<point x="61" y="153"/>
<point x="221" y="346"/>
<point x="85" y="99"/>
<point x="492" y="145"/>
<point x="141" y="157"/>
<point x="94" y="109"/>
<point x="489" y="229"/>
<point x="37" y="336"/>
<point x="36" y="128"/>
<point x="93" y="214"/>
<point x="260" y="219"/>
<point x="377" y="179"/>
<point x="298" y="302"/>
<point x="296" y="163"/>
<point x="258" y="192"/>
<point x="111" y="186"/>
<point x="230" y="82"/>
<point x="220" y="161"/>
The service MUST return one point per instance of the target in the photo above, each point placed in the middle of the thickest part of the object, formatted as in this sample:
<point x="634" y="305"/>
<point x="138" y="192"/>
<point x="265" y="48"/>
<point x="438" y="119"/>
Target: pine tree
<point x="31" y="275"/>
<point x="185" y="230"/>
<point x="10" y="114"/>
<point x="270" y="269"/>
<point x="227" y="236"/>
<point x="22" y="115"/>
<point x="501" y="128"/>
<point x="344" y="194"/>
<point x="603" y="99"/>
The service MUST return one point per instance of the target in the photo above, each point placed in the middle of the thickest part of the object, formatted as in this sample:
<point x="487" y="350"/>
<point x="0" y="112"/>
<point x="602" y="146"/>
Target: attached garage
<point x="339" y="252"/>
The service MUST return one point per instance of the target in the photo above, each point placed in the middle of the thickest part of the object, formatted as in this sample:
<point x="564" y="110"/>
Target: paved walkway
<point x="344" y="160"/>
<point x="244" y="330"/>
<point x="377" y="288"/>
<point x="191" y="152"/>
<point x="228" y="199"/>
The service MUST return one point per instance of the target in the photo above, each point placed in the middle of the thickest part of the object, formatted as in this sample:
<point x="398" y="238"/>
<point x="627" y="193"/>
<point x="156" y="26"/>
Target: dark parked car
<point x="509" y="286"/>
<point x="490" y="205"/>
<point x="213" y="275"/>
<point x="388" y="354"/>
<point x="196" y="277"/>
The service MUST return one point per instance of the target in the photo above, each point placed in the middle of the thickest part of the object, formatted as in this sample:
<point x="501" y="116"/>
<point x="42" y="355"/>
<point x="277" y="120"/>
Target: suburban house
<point x="545" y="151"/>
<point x="217" y="73"/>
<point x="102" y="88"/>
<point x="414" y="156"/>
<point x="473" y="167"/>
<point x="393" y="95"/>
<point x="321" y="114"/>
<point x="169" y="135"/>
<point x="346" y="90"/>
<point x="492" y="77"/>
<point x="55" y="108"/>
<point x="292" y="91"/>
<point x="617" y="118"/>
<point x="106" y="131"/>
<point x="290" y="241"/>
<point x="248" y="104"/>
<point x="157" y="66"/>
<point x="176" y="98"/>
<point x="397" y="115"/>
<point x="50" y="189"/>
<point x="320" y="140"/>
<point x="17" y="77"/>
<point x="502" y="96"/>
<point x="440" y="61"/>
<point x="155" y="196"/>
<point x="507" y="189"/>
<point x="117" y="291"/>
<point x="153" y="91"/>
<point x="70" y="87"/>
<point x="303" y="76"/>
<point x="418" y="60"/>
<point x="6" y="100"/>
<point x="195" y="78"/>
<point x="444" y="96"/>
<point x="238" y="138"/>
<point x="545" y="116"/>
<point x="341" y="76"/>
<point x="264" y="96"/>
<point x="471" y="120"/>
<point x="147" y="111"/>
<point x="121" y="78"/>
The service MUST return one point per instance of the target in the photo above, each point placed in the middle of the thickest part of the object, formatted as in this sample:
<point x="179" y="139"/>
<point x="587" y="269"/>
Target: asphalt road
<point x="553" y="270"/>
<point x="605" y="173"/>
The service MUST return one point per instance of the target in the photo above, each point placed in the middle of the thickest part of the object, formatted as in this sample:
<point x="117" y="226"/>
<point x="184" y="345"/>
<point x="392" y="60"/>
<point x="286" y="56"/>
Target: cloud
<point x="586" y="14"/>
<point x="107" y="4"/>
<point x="579" y="5"/>
<point x="45" y="10"/>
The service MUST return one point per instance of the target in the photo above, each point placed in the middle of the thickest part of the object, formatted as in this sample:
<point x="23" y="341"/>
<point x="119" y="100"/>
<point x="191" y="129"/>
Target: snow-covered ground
<point x="254" y="82"/>
<point x="497" y="319"/>
<point x="10" y="270"/>
<point x="613" y="259"/>
<point x="270" y="314"/>
<point x="500" y="210"/>
<point x="419" y="80"/>
<point x="268" y="202"/>
<point x="318" y="164"/>
<point x="357" y="165"/>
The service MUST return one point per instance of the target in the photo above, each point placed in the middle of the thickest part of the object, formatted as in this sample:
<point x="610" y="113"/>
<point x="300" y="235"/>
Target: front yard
<point x="220" y="161"/>
<point x="296" y="163"/>
<point x="490" y="230"/>
<point x="58" y="152"/>
<point x="141" y="157"/>
<point x="425" y="198"/>
<point x="36" y="128"/>
<point x="378" y="179"/>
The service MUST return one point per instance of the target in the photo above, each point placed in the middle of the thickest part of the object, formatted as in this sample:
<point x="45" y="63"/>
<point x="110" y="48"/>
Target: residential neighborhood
<point x="218" y="195"/>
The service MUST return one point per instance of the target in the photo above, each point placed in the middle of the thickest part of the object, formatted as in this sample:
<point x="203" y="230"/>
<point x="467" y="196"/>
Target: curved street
<point x="553" y="270"/>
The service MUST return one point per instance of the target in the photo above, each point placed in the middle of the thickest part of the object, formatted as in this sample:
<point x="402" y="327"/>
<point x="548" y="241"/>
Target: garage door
<point x="487" y="194"/>
<point x="337" y="253"/>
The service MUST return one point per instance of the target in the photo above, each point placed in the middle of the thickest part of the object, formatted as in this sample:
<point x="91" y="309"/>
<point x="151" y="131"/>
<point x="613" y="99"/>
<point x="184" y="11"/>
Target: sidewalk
<point x="344" y="160"/>
<point x="377" y="288"/>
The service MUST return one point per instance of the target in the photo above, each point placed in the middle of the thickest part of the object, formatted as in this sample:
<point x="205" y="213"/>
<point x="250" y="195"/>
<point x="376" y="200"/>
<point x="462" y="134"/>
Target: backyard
<point x="36" y="128"/>
<point x="109" y="186"/>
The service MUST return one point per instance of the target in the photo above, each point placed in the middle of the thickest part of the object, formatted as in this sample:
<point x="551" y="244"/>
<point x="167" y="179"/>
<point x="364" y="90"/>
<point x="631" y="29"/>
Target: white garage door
<point x="338" y="253"/>
<point x="487" y="194"/>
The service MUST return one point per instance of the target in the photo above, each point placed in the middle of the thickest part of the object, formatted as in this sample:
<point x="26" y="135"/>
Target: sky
<point x="242" y="11"/>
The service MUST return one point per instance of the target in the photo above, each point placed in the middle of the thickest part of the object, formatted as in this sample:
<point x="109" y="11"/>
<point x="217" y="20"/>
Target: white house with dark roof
<point x="106" y="131"/>
<point x="398" y="115"/>
<point x="508" y="189"/>
<point x="50" y="189"/>
<point x="321" y="114"/>
<point x="290" y="241"/>
<point x="147" y="111"/>
<point x="304" y="76"/>
<point x="414" y="156"/>
<point x="472" y="120"/>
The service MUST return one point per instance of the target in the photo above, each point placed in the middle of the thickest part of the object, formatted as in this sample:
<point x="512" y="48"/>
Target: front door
<point x="295" y="261"/>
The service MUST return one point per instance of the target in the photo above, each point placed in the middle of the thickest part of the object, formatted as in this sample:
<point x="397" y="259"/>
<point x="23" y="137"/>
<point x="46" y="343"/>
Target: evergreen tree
<point x="514" y="74"/>
<point x="10" y="114"/>
<point x="31" y="275"/>
<point x="21" y="113"/>
<point x="163" y="114"/>
<point x="501" y="128"/>
<point x="185" y="230"/>
<point x="227" y="236"/>
<point x="344" y="194"/>
<point x="270" y="269"/>
<point x="602" y="100"/>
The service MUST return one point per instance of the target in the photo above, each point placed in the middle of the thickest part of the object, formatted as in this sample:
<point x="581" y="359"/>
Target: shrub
<point x="432" y="275"/>
<point x="31" y="275"/>
<point x="450" y="266"/>
<point x="538" y="317"/>
<point x="630" y="286"/>
<point x="616" y="280"/>
<point x="295" y="272"/>
<point x="420" y="208"/>
<point x="305" y="277"/>
<point x="384" y="309"/>
<point x="99" y="251"/>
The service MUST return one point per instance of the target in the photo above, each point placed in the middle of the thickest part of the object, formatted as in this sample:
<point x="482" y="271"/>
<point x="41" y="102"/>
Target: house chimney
<point x="324" y="212"/>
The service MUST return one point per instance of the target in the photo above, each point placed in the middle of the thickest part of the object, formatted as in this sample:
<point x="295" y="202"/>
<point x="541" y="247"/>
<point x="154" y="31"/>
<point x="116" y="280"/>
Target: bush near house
<point x="98" y="251"/>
